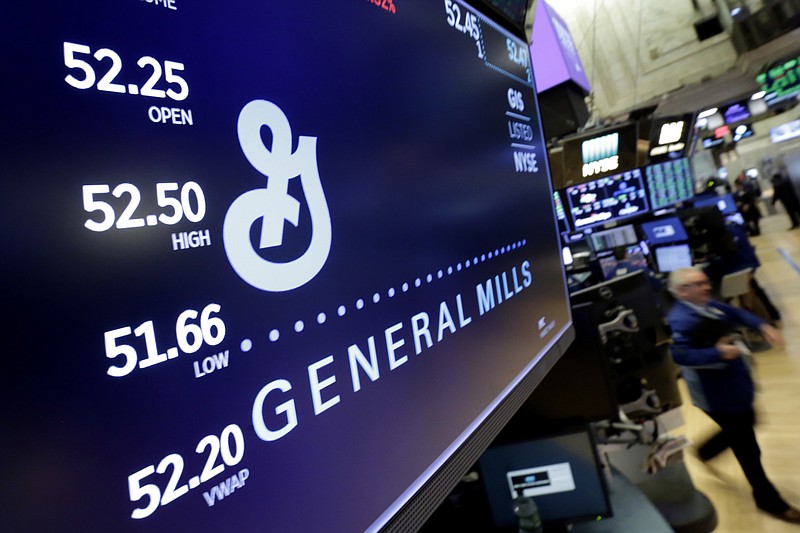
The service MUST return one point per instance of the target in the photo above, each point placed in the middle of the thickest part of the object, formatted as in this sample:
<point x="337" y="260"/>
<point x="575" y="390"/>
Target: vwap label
<point x="274" y="204"/>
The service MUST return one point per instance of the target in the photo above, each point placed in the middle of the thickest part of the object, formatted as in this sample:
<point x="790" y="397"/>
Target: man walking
<point x="718" y="377"/>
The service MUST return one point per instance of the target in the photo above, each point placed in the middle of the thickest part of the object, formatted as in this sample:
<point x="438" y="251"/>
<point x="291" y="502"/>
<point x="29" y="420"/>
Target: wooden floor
<point x="777" y="373"/>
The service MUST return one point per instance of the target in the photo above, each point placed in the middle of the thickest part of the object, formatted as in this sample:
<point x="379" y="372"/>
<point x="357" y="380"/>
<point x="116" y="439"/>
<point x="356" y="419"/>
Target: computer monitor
<point x="635" y="259"/>
<point x="612" y="238"/>
<point x="256" y="254"/>
<point x="669" y="258"/>
<point x="725" y="203"/>
<point x="664" y="231"/>
<point x="561" y="472"/>
<point x="669" y="182"/>
<point x="607" y="199"/>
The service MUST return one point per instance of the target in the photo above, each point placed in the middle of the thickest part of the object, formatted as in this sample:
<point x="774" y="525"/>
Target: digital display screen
<point x="635" y="259"/>
<point x="664" y="231"/>
<point x="781" y="81"/>
<point x="606" y="199"/>
<point x="785" y="132"/>
<point x="589" y="157"/>
<point x="560" y="472"/>
<point x="736" y="113"/>
<point x="742" y="131"/>
<point x="612" y="238"/>
<point x="669" y="137"/>
<point x="257" y="254"/>
<point x="669" y="258"/>
<point x="669" y="182"/>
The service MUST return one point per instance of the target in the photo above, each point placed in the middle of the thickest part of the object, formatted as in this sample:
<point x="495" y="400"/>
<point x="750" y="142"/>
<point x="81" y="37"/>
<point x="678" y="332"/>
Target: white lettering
<point x="526" y="274"/>
<point x="499" y="292"/>
<point x="520" y="131"/>
<point x="526" y="162"/>
<point x="485" y="298"/>
<point x="506" y="292"/>
<point x="517" y="286"/>
<point x="226" y="488"/>
<point x="355" y="355"/>
<point x="179" y="240"/>
<point x="212" y="363"/>
<point x="392" y="346"/>
<point x="191" y="239"/>
<point x="419" y="328"/>
<point x="603" y="165"/>
<point x="287" y="407"/>
<point x="486" y="291"/>
<point x="174" y="115"/>
<point x="462" y="320"/>
<point x="445" y="321"/>
<point x="317" y="386"/>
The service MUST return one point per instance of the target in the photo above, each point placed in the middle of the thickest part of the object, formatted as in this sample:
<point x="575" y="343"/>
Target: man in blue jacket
<point x="712" y="362"/>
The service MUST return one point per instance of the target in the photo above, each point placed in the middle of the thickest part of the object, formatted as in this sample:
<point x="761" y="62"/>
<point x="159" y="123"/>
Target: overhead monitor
<point x="736" y="112"/>
<point x="669" y="258"/>
<point x="664" y="231"/>
<point x="607" y="199"/>
<point x="785" y="132"/>
<point x="604" y="153"/>
<point x="742" y="131"/>
<point x="669" y="182"/>
<point x="669" y="137"/>
<point x="780" y="81"/>
<point x="561" y="472"/>
<point x="257" y="254"/>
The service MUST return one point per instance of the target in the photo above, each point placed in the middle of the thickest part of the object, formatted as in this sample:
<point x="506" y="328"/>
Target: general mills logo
<point x="274" y="206"/>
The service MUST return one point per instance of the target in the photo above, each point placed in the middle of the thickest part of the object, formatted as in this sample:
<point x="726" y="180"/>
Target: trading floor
<point x="777" y="373"/>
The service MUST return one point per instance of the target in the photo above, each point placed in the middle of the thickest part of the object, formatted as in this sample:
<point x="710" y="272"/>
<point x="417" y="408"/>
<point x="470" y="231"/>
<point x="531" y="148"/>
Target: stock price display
<point x="237" y="236"/>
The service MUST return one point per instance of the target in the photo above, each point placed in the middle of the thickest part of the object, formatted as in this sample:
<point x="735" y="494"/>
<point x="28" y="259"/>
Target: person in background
<point x="785" y="193"/>
<point x="718" y="378"/>
<point x="735" y="253"/>
<point x="745" y="198"/>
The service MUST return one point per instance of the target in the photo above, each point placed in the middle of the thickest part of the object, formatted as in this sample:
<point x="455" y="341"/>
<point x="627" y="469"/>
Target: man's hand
<point x="727" y="350"/>
<point x="772" y="335"/>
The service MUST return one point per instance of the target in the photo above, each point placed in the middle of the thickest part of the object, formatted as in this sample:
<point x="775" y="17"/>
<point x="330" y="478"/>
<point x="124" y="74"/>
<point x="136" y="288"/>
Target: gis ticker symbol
<point x="274" y="204"/>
